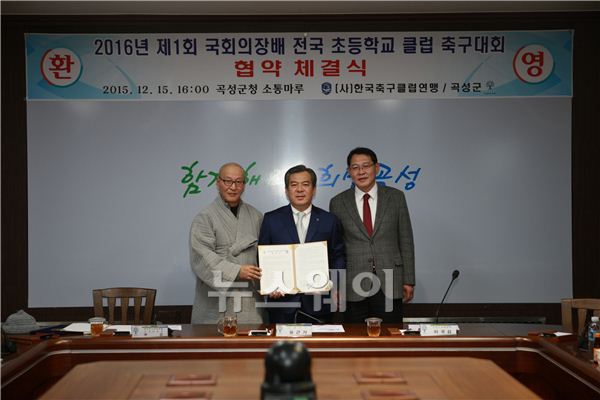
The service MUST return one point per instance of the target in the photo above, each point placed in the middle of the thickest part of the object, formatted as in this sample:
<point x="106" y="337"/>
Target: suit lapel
<point x="313" y="225"/>
<point x="350" y="203"/>
<point x="382" y="204"/>
<point x="288" y="221"/>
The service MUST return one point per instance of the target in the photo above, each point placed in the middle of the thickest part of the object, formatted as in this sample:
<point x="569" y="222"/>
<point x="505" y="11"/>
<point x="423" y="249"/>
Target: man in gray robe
<point x="223" y="254"/>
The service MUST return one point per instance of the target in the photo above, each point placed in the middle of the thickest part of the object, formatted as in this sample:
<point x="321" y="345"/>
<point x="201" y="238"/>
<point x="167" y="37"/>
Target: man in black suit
<point x="300" y="222"/>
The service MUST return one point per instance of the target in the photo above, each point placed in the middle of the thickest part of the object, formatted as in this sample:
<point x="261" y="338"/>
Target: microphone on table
<point x="455" y="274"/>
<point x="317" y="320"/>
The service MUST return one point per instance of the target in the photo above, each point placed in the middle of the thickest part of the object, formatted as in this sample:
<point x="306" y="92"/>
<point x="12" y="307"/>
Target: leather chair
<point x="125" y="295"/>
<point x="577" y="312"/>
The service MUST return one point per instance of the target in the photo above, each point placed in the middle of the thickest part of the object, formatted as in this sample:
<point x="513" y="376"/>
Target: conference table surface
<point x="549" y="366"/>
<point x="240" y="379"/>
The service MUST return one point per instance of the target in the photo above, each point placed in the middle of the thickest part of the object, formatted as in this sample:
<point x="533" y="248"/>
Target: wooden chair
<point x="585" y="309"/>
<point x="125" y="294"/>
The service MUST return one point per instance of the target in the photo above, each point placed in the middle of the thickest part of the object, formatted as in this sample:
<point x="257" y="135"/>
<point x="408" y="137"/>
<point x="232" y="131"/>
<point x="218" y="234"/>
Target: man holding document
<point x="223" y="240"/>
<point x="296" y="277"/>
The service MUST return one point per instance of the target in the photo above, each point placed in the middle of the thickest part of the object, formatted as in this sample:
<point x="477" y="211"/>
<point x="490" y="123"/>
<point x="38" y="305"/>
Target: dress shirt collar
<point x="359" y="194"/>
<point x="306" y="212"/>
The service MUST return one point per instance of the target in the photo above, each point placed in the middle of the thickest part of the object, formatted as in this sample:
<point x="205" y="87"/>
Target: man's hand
<point x="249" y="272"/>
<point x="408" y="293"/>
<point x="276" y="294"/>
<point x="335" y="299"/>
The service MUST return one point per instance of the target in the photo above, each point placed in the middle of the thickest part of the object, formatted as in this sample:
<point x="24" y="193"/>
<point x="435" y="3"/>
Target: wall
<point x="585" y="234"/>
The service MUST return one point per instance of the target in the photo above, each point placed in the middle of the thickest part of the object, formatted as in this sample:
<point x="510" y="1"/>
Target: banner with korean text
<point x="272" y="66"/>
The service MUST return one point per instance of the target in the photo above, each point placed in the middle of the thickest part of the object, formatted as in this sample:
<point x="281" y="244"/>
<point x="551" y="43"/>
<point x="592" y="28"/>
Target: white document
<point x="277" y="265"/>
<point x="119" y="328"/>
<point x="82" y="327"/>
<point x="559" y="334"/>
<point x="294" y="268"/>
<point x="328" y="329"/>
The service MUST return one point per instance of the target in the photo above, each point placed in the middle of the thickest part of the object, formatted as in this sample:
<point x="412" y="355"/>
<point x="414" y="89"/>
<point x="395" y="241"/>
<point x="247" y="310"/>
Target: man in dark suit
<point x="380" y="262"/>
<point x="301" y="222"/>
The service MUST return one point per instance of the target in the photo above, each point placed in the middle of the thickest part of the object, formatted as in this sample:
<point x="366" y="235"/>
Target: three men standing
<point x="368" y="232"/>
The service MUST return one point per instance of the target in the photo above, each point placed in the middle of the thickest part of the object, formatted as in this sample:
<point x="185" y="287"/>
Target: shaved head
<point x="231" y="183"/>
<point x="229" y="165"/>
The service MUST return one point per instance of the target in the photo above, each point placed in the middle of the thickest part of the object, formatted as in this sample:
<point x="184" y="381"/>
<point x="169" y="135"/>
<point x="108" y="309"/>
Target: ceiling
<point x="275" y="7"/>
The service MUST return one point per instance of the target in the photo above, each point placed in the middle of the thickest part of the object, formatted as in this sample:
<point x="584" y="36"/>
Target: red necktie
<point x="367" y="214"/>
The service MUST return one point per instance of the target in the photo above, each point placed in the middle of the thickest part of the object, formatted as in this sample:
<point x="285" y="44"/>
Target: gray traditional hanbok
<point x="219" y="243"/>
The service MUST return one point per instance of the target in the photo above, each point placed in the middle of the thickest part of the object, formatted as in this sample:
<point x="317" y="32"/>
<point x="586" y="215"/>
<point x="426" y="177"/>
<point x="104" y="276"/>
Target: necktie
<point x="300" y="227"/>
<point x="367" y="214"/>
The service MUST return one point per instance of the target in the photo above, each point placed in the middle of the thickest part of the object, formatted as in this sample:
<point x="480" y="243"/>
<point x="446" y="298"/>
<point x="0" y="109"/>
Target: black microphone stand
<point x="317" y="320"/>
<point x="455" y="274"/>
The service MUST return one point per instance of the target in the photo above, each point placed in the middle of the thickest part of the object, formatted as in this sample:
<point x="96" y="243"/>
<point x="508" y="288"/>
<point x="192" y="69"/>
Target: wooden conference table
<point x="433" y="367"/>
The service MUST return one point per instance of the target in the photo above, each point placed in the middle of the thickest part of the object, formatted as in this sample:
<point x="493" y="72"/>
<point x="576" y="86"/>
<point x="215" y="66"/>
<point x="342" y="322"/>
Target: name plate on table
<point x="438" y="329"/>
<point x="149" y="331"/>
<point x="293" y="330"/>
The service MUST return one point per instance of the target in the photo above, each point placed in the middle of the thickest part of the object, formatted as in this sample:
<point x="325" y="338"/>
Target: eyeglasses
<point x="229" y="182"/>
<point x="356" y="167"/>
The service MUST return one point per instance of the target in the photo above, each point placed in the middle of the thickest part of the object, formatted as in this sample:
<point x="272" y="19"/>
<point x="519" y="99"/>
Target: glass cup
<point x="373" y="326"/>
<point x="227" y="326"/>
<point x="97" y="325"/>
